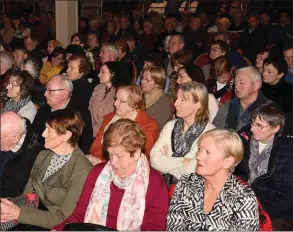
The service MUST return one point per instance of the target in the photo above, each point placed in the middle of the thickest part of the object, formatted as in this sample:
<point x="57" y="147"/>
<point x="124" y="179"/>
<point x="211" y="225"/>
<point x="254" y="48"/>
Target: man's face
<point x="19" y="57"/>
<point x="284" y="19"/>
<point x="168" y="25"/>
<point x="56" y="95"/>
<point x="195" y="24"/>
<point x="94" y="24"/>
<point x="30" y="45"/>
<point x="264" y="19"/>
<point x="147" y="27"/>
<point x="104" y="55"/>
<point x="288" y="56"/>
<point x="7" y="140"/>
<point x="244" y="86"/>
<point x="252" y="22"/>
<point x="175" y="45"/>
<point x="124" y="23"/>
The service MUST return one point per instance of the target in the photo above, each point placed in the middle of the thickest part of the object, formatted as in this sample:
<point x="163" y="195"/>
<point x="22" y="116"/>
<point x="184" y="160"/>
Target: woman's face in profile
<point x="122" y="108"/>
<point x="52" y="139"/>
<point x="13" y="88"/>
<point x="183" y="77"/>
<point x="185" y="108"/>
<point x="210" y="159"/>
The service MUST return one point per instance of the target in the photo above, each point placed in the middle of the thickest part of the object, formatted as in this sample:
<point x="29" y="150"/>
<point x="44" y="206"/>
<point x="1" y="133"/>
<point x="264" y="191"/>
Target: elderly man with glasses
<point x="58" y="96"/>
<point x="18" y="151"/>
<point x="268" y="164"/>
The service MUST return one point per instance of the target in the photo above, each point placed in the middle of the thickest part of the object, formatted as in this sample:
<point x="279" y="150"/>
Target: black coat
<point x="274" y="189"/>
<point x="16" y="167"/>
<point x="87" y="136"/>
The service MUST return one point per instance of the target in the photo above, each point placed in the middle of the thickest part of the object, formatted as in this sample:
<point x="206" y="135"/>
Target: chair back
<point x="202" y="60"/>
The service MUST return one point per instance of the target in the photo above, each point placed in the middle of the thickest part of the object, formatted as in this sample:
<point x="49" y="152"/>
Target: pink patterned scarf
<point x="132" y="208"/>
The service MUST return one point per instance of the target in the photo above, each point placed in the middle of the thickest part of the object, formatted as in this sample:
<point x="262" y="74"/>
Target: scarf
<point x="258" y="163"/>
<point x="14" y="106"/>
<point x="181" y="144"/>
<point x="153" y="97"/>
<point x="132" y="208"/>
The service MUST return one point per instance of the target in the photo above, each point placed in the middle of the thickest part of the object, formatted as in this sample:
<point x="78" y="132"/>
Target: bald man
<point x="18" y="151"/>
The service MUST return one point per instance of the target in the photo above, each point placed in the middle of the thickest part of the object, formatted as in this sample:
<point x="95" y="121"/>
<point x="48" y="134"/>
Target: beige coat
<point x="100" y="105"/>
<point x="59" y="192"/>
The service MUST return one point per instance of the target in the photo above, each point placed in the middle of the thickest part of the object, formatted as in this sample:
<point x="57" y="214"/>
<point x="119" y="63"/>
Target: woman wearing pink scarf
<point x="123" y="194"/>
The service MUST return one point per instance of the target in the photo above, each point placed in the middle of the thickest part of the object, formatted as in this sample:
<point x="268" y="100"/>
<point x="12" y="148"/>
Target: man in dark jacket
<point x="58" y="96"/>
<point x="268" y="164"/>
<point x="19" y="149"/>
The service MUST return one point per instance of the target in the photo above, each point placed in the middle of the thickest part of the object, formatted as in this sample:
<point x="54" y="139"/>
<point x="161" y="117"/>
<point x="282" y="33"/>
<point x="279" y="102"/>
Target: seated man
<point x="58" y="96"/>
<point x="236" y="113"/>
<point x="19" y="149"/>
<point x="268" y="164"/>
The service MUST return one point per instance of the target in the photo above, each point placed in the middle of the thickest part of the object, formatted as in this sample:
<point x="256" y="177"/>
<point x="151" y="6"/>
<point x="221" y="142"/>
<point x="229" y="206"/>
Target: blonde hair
<point x="228" y="141"/>
<point x="136" y="96"/>
<point x="196" y="92"/>
<point x="221" y="65"/>
<point x="55" y="43"/>
<point x="157" y="74"/>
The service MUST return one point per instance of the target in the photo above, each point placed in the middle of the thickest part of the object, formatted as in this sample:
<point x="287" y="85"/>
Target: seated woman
<point x="268" y="164"/>
<point x="53" y="65"/>
<point x="128" y="105"/>
<point x="103" y="96"/>
<point x="57" y="177"/>
<point x="52" y="44"/>
<point x="78" y="70"/>
<point x="174" y="153"/>
<point x="124" y="193"/>
<point x="38" y="90"/>
<point x="158" y="104"/>
<point x="18" y="91"/>
<point x="222" y="85"/>
<point x="193" y="73"/>
<point x="212" y="198"/>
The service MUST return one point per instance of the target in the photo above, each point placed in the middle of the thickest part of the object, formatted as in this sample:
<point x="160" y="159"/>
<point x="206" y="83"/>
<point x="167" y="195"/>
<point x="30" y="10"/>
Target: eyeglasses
<point x="12" y="85"/>
<point x="214" y="49"/>
<point x="258" y="126"/>
<point x="53" y="90"/>
<point x="119" y="100"/>
<point x="148" y="81"/>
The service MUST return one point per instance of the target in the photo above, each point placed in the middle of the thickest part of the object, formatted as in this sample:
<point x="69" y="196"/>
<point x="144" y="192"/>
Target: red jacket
<point x="147" y="124"/>
<point x="156" y="206"/>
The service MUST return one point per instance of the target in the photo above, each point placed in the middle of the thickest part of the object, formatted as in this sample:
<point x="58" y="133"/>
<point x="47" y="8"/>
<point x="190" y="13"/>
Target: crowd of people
<point x="163" y="122"/>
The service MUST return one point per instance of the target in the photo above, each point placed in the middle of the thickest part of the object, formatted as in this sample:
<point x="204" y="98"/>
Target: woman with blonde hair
<point x="129" y="104"/>
<point x="156" y="101"/>
<point x="174" y="153"/>
<point x="213" y="198"/>
<point x="52" y="44"/>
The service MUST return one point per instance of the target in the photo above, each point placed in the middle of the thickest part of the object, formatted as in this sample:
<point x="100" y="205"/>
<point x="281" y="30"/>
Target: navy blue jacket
<point x="274" y="189"/>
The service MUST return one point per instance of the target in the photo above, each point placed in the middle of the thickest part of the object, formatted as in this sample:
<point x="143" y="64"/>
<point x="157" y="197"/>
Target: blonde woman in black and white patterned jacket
<point x="212" y="198"/>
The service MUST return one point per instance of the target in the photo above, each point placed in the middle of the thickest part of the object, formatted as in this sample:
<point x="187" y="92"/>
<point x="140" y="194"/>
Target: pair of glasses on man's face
<point x="50" y="91"/>
<point x="258" y="126"/>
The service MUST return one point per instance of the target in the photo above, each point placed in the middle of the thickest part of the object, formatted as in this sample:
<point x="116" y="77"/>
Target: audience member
<point x="174" y="153"/>
<point x="19" y="149"/>
<point x="19" y="101"/>
<point x="103" y="96"/>
<point x="57" y="176"/>
<point x="236" y="113"/>
<point x="58" y="96"/>
<point x="128" y="104"/>
<point x="108" y="52"/>
<point x="52" y="44"/>
<point x="93" y="49"/>
<point x="212" y="198"/>
<point x="268" y="164"/>
<point x="6" y="64"/>
<point x="148" y="38"/>
<point x="288" y="56"/>
<point x="156" y="100"/>
<point x="192" y="73"/>
<point x="31" y="44"/>
<point x="124" y="193"/>
<point x="260" y="57"/>
<point x="19" y="56"/>
<point x="53" y="65"/>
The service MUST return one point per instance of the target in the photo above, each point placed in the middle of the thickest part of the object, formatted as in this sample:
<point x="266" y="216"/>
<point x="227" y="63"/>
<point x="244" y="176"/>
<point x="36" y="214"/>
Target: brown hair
<point x="183" y="57"/>
<point x="157" y="74"/>
<point x="135" y="97"/>
<point x="83" y="66"/>
<point x="126" y="133"/>
<point x="196" y="92"/>
<point x="221" y="65"/>
<point x="25" y="82"/>
<point x="122" y="45"/>
<point x="67" y="120"/>
<point x="270" y="113"/>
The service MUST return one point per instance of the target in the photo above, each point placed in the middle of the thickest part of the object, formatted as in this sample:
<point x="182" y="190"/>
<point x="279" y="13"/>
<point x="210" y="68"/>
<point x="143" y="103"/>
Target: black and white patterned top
<point x="56" y="163"/>
<point x="235" y="209"/>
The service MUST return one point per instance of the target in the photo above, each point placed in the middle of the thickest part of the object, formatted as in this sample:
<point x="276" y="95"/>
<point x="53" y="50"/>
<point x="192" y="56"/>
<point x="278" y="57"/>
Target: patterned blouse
<point x="235" y="209"/>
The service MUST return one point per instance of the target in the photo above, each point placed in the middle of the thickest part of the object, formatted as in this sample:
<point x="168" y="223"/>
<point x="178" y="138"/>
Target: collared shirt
<point x="52" y="110"/>
<point x="19" y="144"/>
